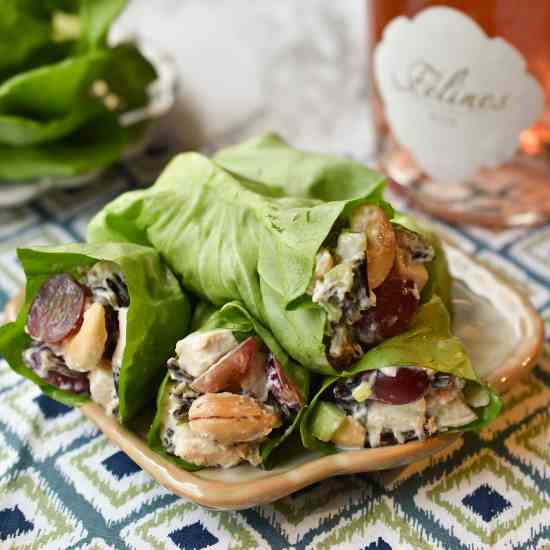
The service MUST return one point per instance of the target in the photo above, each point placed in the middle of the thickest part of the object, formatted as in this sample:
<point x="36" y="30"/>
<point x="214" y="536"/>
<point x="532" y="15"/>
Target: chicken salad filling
<point x="78" y="331"/>
<point x="225" y="398"/>
<point x="395" y="405"/>
<point x="368" y="279"/>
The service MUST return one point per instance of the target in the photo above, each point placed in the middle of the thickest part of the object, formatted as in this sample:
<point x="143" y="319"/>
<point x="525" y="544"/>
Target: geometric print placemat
<point x="64" y="485"/>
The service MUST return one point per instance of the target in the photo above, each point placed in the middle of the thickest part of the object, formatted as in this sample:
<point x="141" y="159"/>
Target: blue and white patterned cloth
<point x="64" y="485"/>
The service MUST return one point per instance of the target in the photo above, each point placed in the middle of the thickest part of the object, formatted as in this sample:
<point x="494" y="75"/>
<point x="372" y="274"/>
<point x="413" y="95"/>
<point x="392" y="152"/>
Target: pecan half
<point x="229" y="418"/>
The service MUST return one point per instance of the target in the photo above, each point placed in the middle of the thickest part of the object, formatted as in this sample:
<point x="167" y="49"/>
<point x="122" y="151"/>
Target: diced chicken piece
<point x="350" y="434"/>
<point x="323" y="264"/>
<point x="84" y="350"/>
<point x="229" y="371"/>
<point x="333" y="287"/>
<point x="102" y="389"/>
<point x="454" y="414"/>
<point x="206" y="452"/>
<point x="351" y="247"/>
<point x="397" y="419"/>
<point x="200" y="350"/>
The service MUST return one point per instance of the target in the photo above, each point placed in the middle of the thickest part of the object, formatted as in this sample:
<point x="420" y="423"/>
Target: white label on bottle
<point x="455" y="98"/>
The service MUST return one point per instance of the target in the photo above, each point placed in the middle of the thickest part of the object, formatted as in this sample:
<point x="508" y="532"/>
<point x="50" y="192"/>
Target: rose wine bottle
<point x="462" y="94"/>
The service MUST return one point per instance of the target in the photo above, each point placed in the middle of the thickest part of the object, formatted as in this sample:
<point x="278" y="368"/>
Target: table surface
<point x="63" y="485"/>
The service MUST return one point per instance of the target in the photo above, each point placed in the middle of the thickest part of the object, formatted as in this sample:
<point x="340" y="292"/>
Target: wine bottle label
<point x="455" y="98"/>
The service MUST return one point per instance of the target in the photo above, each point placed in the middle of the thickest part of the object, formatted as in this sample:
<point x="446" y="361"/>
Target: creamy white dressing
<point x="102" y="389"/>
<point x="397" y="419"/>
<point x="120" y="348"/>
<point x="97" y="279"/>
<point x="351" y="247"/>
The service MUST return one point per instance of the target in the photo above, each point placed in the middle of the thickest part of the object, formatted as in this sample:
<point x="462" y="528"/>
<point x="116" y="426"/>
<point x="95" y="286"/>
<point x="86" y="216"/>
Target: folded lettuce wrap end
<point x="429" y="343"/>
<point x="158" y="315"/>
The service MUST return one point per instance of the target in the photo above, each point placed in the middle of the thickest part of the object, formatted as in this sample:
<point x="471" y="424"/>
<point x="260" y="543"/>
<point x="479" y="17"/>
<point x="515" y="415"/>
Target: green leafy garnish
<point x="58" y="79"/>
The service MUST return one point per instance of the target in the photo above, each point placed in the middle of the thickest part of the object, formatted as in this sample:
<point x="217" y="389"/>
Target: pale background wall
<point x="246" y="66"/>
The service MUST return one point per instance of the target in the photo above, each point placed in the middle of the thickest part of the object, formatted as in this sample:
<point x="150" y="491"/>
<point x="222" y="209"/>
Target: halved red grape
<point x="228" y="372"/>
<point x="396" y="303"/>
<point x="406" y="386"/>
<point x="281" y="387"/>
<point x="57" y="309"/>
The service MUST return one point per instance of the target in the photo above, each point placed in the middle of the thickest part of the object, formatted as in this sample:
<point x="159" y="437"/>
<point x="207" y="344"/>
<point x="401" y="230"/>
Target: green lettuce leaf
<point x="51" y="52"/>
<point x="158" y="316"/>
<point x="24" y="30"/>
<point x="269" y="161"/>
<point x="96" y="17"/>
<point x="227" y="242"/>
<point x="428" y="343"/>
<point x="95" y="145"/>
<point x="233" y="316"/>
<point x="50" y="102"/>
<point x="46" y="104"/>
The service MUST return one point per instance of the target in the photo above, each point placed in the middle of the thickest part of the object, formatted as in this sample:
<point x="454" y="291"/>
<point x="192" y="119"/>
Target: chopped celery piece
<point x="327" y="418"/>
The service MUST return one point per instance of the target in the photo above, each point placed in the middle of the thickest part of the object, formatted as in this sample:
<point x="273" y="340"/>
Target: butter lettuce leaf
<point x="51" y="122"/>
<point x="269" y="161"/>
<point x="158" y="316"/>
<point x="227" y="242"/>
<point x="93" y="146"/>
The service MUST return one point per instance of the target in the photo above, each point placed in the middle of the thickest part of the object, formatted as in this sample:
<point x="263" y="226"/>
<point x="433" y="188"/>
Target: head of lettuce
<point x="99" y="322"/>
<point x="230" y="395"/>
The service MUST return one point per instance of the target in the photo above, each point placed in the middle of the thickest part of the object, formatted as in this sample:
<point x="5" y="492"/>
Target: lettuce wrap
<point x="231" y="394"/>
<point x="269" y="163"/>
<point x="103" y="318"/>
<point x="308" y="270"/>
<point x="413" y="385"/>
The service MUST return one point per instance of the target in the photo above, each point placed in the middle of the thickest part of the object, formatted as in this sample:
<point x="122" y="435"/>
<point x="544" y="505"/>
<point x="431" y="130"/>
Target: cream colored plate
<point x="501" y="331"/>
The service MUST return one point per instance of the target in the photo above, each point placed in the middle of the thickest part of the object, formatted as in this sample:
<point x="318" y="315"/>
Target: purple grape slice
<point x="282" y="389"/>
<point x="407" y="386"/>
<point x="57" y="310"/>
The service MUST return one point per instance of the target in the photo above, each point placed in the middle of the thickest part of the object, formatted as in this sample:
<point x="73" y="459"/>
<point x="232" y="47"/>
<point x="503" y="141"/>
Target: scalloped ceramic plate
<point x="500" y="329"/>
